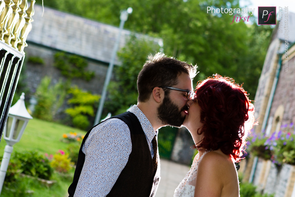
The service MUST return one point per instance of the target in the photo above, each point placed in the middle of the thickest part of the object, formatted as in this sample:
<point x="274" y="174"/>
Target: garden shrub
<point x="73" y="150"/>
<point x="72" y="66"/>
<point x="247" y="190"/>
<point x="61" y="162"/>
<point x="81" y="121"/>
<point x="50" y="98"/>
<point x="82" y="104"/>
<point x="34" y="164"/>
<point x="36" y="60"/>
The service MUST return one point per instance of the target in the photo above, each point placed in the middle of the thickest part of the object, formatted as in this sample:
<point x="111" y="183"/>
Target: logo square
<point x="267" y="16"/>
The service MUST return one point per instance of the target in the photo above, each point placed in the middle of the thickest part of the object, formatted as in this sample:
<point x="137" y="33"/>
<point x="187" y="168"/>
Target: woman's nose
<point x="189" y="102"/>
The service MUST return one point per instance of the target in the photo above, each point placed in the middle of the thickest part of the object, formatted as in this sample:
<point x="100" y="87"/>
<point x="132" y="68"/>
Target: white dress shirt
<point x="107" y="151"/>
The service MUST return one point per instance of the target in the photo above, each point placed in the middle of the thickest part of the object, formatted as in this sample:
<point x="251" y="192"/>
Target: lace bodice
<point x="186" y="188"/>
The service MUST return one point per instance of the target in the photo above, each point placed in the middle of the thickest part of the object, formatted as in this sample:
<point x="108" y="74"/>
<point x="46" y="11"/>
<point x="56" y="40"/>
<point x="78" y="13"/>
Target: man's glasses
<point x="188" y="93"/>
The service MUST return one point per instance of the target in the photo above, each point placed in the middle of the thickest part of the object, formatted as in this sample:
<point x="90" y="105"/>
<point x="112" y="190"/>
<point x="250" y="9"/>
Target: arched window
<point x="277" y="120"/>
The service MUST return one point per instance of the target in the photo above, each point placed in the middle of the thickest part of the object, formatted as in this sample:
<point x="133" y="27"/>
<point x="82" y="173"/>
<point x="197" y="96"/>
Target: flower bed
<point x="279" y="147"/>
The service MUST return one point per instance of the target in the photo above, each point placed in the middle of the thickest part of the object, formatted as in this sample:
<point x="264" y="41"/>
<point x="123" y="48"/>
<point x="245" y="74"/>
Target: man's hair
<point x="160" y="70"/>
<point x="227" y="115"/>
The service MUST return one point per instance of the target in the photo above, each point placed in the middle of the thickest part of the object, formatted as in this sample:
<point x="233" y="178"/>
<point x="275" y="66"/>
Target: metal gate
<point x="15" y="25"/>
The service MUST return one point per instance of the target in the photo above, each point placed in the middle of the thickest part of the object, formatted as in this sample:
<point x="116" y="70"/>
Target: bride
<point x="218" y="119"/>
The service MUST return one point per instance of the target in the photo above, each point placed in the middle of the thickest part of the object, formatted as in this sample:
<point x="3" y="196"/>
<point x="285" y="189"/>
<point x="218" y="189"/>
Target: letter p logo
<point x="264" y="13"/>
<point x="267" y="15"/>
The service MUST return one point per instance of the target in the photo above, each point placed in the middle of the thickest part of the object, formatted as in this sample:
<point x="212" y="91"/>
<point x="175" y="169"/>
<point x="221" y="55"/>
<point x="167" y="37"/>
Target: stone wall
<point x="285" y="92"/>
<point x="35" y="72"/>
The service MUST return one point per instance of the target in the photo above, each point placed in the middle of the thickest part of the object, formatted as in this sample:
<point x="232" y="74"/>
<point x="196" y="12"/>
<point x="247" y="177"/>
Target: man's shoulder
<point x="111" y="123"/>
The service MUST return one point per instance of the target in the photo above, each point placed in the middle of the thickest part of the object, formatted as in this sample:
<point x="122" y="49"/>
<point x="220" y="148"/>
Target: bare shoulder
<point x="219" y="163"/>
<point x="222" y="171"/>
<point x="216" y="159"/>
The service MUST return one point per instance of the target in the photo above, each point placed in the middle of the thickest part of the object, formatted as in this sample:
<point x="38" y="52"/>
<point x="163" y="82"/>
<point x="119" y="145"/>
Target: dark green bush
<point x="72" y="66"/>
<point x="35" y="60"/>
<point x="81" y="121"/>
<point x="249" y="190"/>
<point x="34" y="164"/>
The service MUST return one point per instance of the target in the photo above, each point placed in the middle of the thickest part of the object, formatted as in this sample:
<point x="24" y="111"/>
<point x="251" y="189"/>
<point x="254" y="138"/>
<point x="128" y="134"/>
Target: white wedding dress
<point x="186" y="188"/>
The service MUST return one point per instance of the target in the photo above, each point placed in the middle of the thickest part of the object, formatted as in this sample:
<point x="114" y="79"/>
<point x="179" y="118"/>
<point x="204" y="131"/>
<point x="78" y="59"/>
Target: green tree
<point x="189" y="33"/>
<point x="123" y="91"/>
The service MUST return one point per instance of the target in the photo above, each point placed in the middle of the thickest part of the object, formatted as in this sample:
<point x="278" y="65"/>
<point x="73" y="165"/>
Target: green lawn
<point x="44" y="137"/>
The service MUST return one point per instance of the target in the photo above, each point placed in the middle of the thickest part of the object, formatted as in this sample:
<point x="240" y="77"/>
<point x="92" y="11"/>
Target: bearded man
<point x="119" y="156"/>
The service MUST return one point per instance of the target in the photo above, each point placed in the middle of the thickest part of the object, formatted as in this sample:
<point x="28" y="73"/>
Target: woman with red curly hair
<point x="219" y="118"/>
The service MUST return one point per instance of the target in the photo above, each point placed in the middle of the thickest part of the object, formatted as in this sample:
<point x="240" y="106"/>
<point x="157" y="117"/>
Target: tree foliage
<point x="189" y="33"/>
<point x="123" y="91"/>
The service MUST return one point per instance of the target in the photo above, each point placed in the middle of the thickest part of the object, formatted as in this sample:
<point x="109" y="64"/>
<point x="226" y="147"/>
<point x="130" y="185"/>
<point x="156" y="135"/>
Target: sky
<point x="277" y="3"/>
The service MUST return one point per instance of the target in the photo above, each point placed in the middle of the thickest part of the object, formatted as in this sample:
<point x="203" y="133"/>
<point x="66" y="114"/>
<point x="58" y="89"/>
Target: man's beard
<point x="169" y="113"/>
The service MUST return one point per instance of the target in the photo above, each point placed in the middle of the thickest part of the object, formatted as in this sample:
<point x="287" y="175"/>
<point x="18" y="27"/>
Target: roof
<point x="74" y="34"/>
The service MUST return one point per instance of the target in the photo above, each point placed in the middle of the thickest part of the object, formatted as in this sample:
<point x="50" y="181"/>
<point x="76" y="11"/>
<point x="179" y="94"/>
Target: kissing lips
<point x="185" y="110"/>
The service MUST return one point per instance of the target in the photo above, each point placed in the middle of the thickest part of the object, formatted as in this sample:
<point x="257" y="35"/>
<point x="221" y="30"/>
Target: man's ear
<point x="158" y="94"/>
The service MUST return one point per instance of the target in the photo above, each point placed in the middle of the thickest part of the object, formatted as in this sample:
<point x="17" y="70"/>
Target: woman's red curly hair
<point x="226" y="113"/>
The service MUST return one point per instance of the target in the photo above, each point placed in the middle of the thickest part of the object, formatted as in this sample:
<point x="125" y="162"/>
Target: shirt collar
<point x="144" y="122"/>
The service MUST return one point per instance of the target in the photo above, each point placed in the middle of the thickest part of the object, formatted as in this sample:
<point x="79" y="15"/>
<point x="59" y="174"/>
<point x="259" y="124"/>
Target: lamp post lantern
<point x="15" y="125"/>
<point x="123" y="18"/>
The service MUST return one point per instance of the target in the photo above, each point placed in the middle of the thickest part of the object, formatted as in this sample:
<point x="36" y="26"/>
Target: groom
<point x="119" y="156"/>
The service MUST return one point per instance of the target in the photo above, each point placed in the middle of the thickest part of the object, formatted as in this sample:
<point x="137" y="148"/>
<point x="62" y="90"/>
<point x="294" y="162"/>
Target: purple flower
<point x="272" y="136"/>
<point x="273" y="161"/>
<point x="263" y="131"/>
<point x="284" y="126"/>
<point x="288" y="136"/>
<point x="285" y="143"/>
<point x="282" y="138"/>
<point x="291" y="139"/>
<point x="279" y="134"/>
<point x="271" y="148"/>
<point x="291" y="124"/>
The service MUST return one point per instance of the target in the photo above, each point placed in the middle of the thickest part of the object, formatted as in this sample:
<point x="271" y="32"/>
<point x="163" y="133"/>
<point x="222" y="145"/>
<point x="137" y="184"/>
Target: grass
<point x="44" y="137"/>
<point x="18" y="189"/>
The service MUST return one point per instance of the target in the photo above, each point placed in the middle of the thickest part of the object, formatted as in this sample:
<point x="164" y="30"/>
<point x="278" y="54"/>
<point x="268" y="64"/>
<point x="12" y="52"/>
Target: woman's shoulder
<point x="217" y="161"/>
<point x="217" y="171"/>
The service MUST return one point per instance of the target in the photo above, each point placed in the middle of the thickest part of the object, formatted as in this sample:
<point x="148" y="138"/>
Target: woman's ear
<point x="158" y="94"/>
